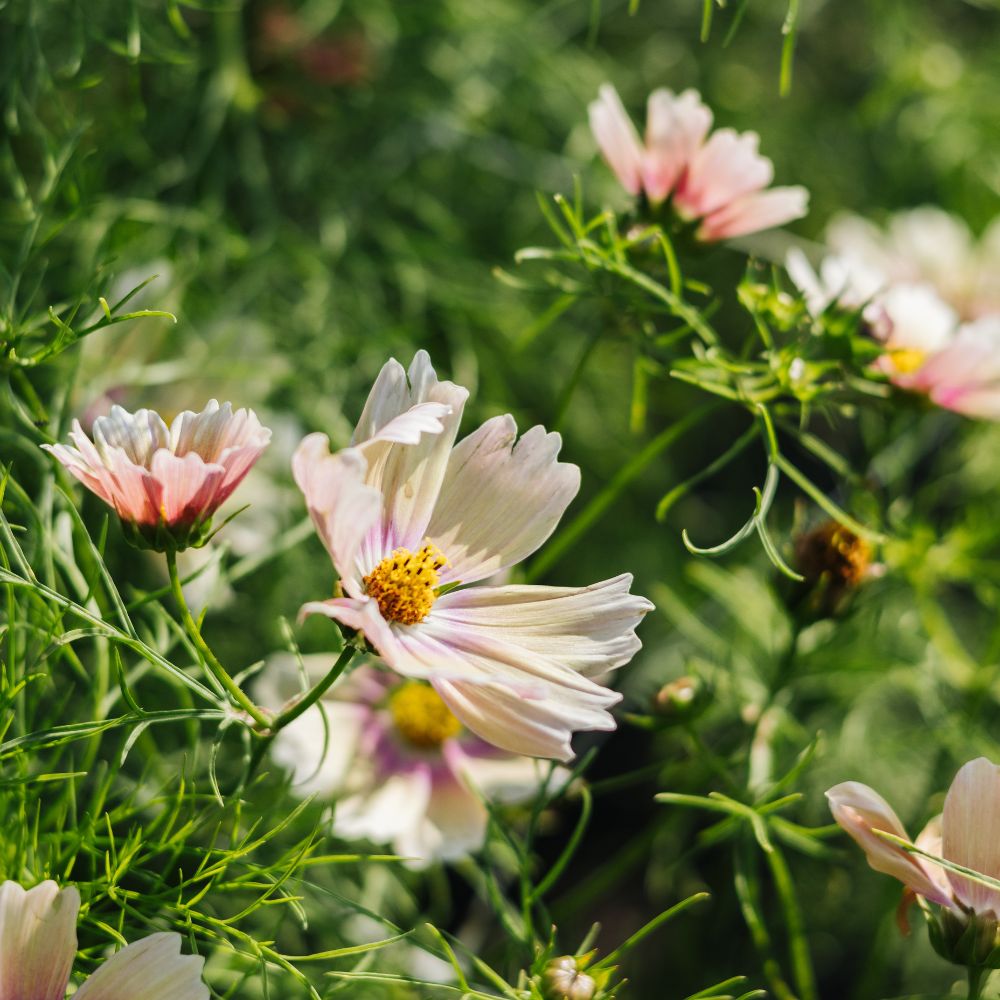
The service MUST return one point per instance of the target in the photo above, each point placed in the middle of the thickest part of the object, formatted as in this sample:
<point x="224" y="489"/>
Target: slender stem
<point x="216" y="668"/>
<point x="977" y="980"/>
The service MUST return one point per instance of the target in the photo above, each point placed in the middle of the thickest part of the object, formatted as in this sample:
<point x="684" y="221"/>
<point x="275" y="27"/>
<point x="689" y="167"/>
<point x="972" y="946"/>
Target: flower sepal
<point x="163" y="537"/>
<point x="971" y="940"/>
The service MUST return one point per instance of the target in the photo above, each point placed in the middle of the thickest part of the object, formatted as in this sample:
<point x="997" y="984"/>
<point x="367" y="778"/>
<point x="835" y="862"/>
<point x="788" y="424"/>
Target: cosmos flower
<point x="404" y="770"/>
<point x="38" y="945"/>
<point x="165" y="483"/>
<point x="409" y="519"/>
<point x="966" y="834"/>
<point x="719" y="179"/>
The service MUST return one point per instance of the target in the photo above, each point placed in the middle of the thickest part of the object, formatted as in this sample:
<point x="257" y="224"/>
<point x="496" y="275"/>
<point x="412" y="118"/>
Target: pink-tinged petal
<point x="410" y="426"/>
<point x="455" y="824"/>
<point x="930" y="840"/>
<point x="408" y="476"/>
<point x="138" y="434"/>
<point x="344" y="510"/>
<point x="499" y="500"/>
<point x="970" y="830"/>
<point x="754" y="213"/>
<point x="150" y="969"/>
<point x="590" y="630"/>
<point x="189" y="486"/>
<point x="389" y="813"/>
<point x="617" y="138"/>
<point x="860" y="810"/>
<point x="535" y="727"/>
<point x="676" y="126"/>
<point x="37" y="940"/>
<point x="501" y="777"/>
<point x="317" y="749"/>
<point x="727" y="167"/>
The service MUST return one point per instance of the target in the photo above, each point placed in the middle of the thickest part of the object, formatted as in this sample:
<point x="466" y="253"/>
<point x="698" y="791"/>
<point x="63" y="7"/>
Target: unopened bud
<point x="972" y="941"/>
<point x="834" y="561"/>
<point x="562" y="980"/>
<point x="683" y="699"/>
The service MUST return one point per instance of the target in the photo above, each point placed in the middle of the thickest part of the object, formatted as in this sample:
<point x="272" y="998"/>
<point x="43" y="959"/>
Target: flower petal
<point x="499" y="500"/>
<point x="150" y="969"/>
<point x="189" y="486"/>
<point x="727" y="167"/>
<point x="343" y="509"/>
<point x="617" y="138"/>
<point x="390" y="812"/>
<point x="860" y="810"/>
<point x="754" y="213"/>
<point x="408" y="476"/>
<point x="500" y="777"/>
<point x="970" y="829"/>
<point x="676" y="126"/>
<point x="455" y="825"/>
<point x="138" y="434"/>
<point x="37" y="940"/>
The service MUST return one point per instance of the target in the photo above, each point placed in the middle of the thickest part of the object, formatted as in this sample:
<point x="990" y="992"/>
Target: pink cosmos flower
<point x="402" y="767"/>
<point x="407" y="516"/>
<point x="38" y="945"/>
<point x="165" y="483"/>
<point x="966" y="834"/>
<point x="719" y="179"/>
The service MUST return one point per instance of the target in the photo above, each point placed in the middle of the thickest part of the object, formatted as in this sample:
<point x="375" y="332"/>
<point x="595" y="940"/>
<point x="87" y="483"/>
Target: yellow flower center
<point x="907" y="360"/>
<point x="405" y="584"/>
<point x="421" y="717"/>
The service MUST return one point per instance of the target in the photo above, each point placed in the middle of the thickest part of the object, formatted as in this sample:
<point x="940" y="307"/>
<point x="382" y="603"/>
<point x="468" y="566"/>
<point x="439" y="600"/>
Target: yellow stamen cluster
<point x="405" y="584"/>
<point x="907" y="360"/>
<point x="421" y="717"/>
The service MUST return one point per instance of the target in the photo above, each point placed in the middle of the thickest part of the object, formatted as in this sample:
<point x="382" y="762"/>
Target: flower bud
<point x="972" y="941"/>
<point x="562" y="980"/>
<point x="834" y="561"/>
<point x="682" y="700"/>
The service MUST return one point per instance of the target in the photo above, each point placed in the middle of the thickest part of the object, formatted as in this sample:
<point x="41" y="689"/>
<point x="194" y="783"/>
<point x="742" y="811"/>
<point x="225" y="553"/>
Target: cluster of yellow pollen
<point x="421" y="717"/>
<point x="405" y="584"/>
<point x="906" y="360"/>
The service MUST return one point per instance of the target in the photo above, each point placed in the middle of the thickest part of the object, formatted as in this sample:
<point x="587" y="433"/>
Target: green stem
<point x="209" y="658"/>
<point x="977" y="980"/>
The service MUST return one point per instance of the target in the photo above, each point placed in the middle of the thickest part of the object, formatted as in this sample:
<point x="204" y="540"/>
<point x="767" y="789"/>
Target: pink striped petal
<point x="189" y="486"/>
<point x="676" y="126"/>
<point x="970" y="830"/>
<point x="150" y="969"/>
<point x="860" y="811"/>
<point x="617" y="138"/>
<point x="754" y="213"/>
<point x="343" y="509"/>
<point x="500" y="500"/>
<point x="37" y="940"/>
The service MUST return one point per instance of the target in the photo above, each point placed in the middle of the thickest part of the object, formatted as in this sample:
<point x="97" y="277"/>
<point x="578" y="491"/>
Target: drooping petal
<point x="150" y="969"/>
<point x="676" y="126"/>
<point x="343" y="509"/>
<point x="860" y="811"/>
<point x="754" y="213"/>
<point x="970" y="832"/>
<point x="617" y="138"/>
<point x="590" y="630"/>
<point x="727" y="167"/>
<point x="37" y="940"/>
<point x="499" y="500"/>
<point x="407" y="475"/>
<point x="318" y="747"/>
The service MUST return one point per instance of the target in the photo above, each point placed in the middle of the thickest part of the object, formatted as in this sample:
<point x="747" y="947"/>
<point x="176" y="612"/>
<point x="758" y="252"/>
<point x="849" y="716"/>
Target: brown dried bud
<point x="562" y="980"/>
<point x="834" y="560"/>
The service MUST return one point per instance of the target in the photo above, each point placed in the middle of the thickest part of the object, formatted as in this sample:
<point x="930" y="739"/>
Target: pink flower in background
<point x="403" y="769"/>
<point x="38" y="945"/>
<point x="164" y="482"/>
<point x="719" y="179"/>
<point x="406" y="516"/>
<point x="966" y="834"/>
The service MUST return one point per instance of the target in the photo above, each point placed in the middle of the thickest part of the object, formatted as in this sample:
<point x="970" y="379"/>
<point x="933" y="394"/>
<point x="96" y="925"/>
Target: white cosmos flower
<point x="402" y="768"/>
<point x="38" y="944"/>
<point x="404" y="512"/>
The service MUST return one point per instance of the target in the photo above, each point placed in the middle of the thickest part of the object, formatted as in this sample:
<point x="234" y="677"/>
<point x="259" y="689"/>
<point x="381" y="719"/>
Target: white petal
<point x="392" y="810"/>
<point x="970" y="831"/>
<point x="37" y="940"/>
<point x="319" y="754"/>
<point x="343" y="509"/>
<point x="921" y="319"/>
<point x="501" y="777"/>
<point x="860" y="810"/>
<point x="499" y="500"/>
<point x="138" y="434"/>
<point x="407" y="475"/>
<point x="455" y="825"/>
<point x="150" y="969"/>
<point x="617" y="138"/>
